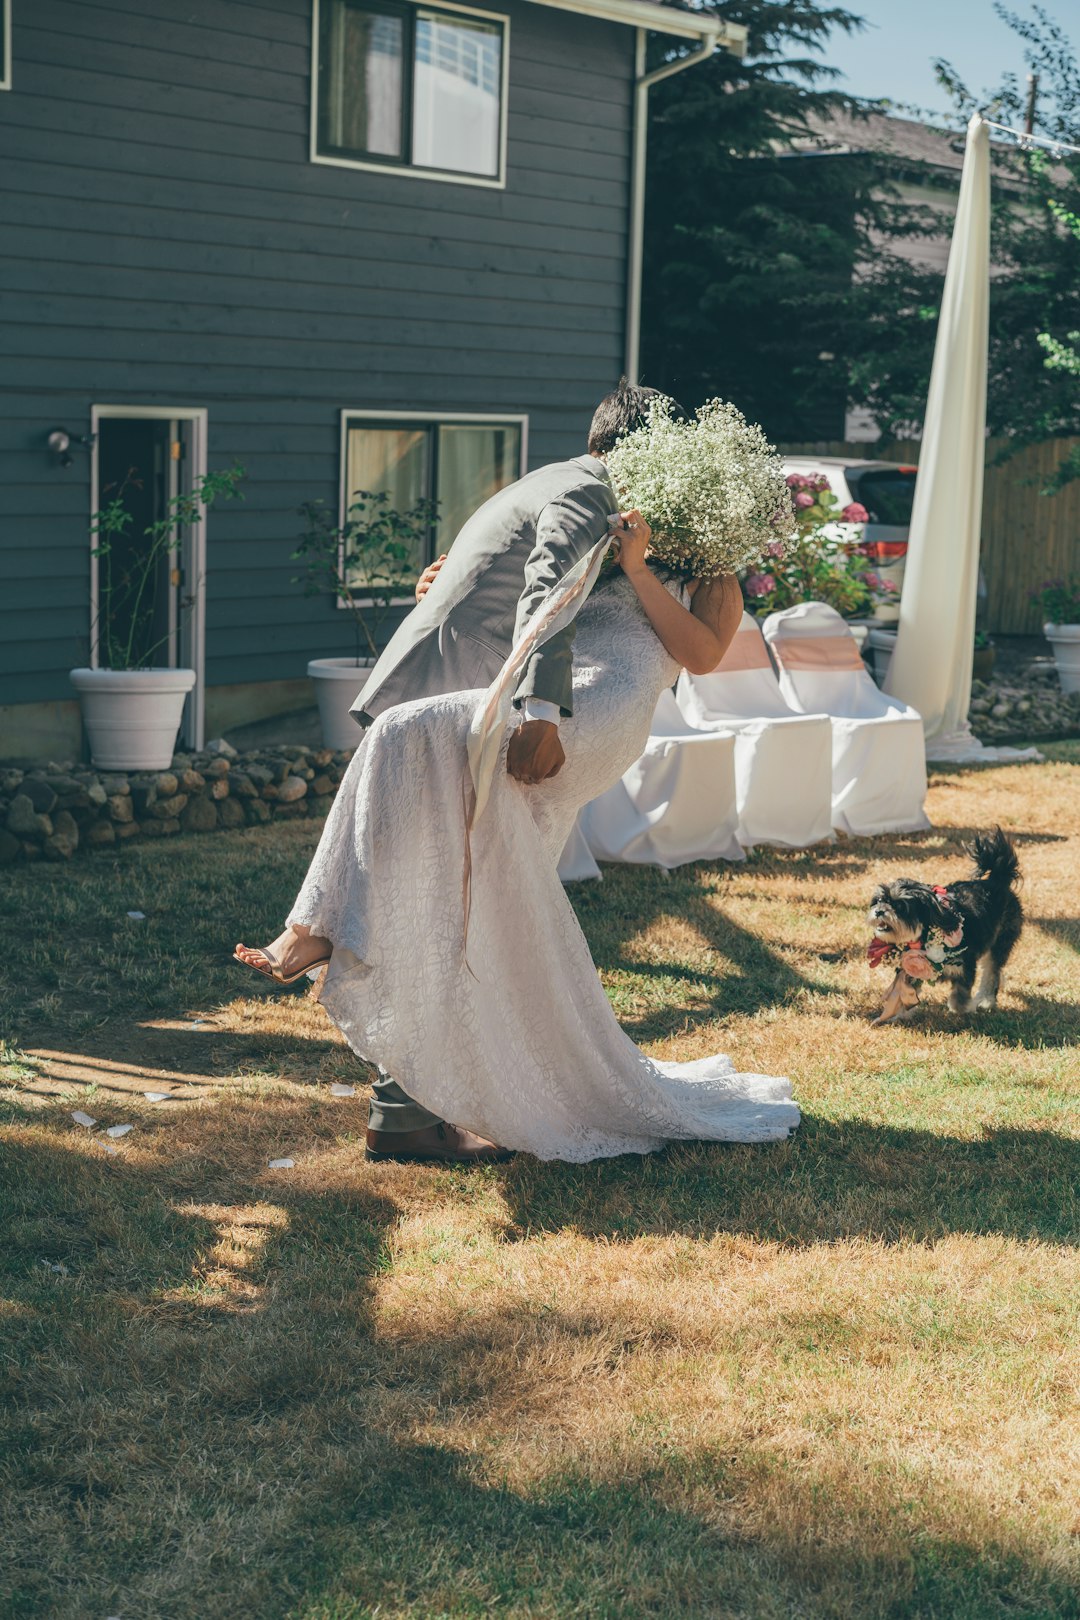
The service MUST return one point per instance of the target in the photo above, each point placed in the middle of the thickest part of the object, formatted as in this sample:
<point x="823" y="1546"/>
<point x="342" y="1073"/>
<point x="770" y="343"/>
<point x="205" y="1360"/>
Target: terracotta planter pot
<point x="1065" y="641"/>
<point x="337" y="682"/>
<point x="132" y="716"/>
<point x="982" y="664"/>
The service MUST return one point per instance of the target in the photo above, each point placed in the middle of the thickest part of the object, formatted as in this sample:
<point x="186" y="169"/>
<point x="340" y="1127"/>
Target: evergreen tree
<point x="750" y="249"/>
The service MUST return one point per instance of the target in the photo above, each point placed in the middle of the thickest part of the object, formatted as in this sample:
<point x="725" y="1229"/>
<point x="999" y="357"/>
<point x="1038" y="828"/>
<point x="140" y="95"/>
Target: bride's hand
<point x="428" y="577"/>
<point x="632" y="535"/>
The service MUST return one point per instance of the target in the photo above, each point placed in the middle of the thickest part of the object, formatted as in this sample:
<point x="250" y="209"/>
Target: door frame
<point x="190" y="643"/>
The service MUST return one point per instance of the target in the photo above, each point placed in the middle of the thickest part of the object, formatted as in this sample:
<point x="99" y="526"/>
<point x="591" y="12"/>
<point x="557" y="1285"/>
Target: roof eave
<point x="661" y="19"/>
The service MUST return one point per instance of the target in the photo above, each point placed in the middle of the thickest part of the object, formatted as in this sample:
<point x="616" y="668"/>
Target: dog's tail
<point x="995" y="859"/>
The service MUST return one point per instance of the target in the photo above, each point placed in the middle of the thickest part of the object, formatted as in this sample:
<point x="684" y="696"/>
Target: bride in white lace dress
<point x="513" y="1036"/>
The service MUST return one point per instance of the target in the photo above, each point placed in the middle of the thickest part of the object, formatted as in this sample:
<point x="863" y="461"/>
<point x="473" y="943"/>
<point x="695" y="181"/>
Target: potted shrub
<point x="367" y="562"/>
<point x="131" y="708"/>
<point x="982" y="664"/>
<point x="1059" y="600"/>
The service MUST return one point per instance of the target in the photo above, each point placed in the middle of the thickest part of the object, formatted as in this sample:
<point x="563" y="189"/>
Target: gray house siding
<point x="167" y="241"/>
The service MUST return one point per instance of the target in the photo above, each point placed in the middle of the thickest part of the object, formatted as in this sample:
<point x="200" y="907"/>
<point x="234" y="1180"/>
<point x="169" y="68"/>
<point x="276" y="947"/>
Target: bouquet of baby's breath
<point x="711" y="489"/>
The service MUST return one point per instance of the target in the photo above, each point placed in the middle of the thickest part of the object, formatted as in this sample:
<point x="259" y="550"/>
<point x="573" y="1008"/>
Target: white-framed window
<point x="417" y="89"/>
<point x="5" y="44"/>
<point x="457" y="460"/>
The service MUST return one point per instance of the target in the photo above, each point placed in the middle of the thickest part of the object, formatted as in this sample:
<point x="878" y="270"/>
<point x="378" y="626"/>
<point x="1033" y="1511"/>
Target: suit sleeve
<point x="567" y="528"/>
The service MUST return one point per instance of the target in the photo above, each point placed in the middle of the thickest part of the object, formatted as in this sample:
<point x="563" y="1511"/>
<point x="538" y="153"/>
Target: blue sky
<point x="892" y="56"/>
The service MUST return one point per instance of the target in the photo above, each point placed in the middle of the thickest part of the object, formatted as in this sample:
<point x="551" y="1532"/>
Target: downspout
<point x="734" y="38"/>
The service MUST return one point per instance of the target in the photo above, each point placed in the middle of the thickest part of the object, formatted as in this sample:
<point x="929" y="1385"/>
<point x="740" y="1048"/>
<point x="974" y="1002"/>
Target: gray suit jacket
<point x="504" y="561"/>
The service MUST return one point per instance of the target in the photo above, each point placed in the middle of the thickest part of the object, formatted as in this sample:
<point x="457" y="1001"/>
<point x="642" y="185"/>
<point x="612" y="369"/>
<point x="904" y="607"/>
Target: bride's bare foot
<point x="294" y="953"/>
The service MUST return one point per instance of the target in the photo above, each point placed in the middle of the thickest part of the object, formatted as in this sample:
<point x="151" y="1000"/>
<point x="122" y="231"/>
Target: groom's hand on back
<point x="535" y="752"/>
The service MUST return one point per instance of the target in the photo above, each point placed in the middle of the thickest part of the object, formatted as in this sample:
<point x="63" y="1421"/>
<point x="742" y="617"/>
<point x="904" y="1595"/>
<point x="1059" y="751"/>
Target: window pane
<point x="474" y="462"/>
<point x="457" y="85"/>
<point x="360" y="80"/>
<point x="888" y="496"/>
<point x="394" y="460"/>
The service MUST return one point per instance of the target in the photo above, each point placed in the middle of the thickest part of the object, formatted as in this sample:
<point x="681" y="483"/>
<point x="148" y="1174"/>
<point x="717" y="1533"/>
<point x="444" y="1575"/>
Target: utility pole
<point x="1029" y="116"/>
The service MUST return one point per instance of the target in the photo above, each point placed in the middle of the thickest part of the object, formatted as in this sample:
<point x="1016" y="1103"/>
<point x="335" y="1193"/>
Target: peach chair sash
<point x="817" y="652"/>
<point x="747" y="651"/>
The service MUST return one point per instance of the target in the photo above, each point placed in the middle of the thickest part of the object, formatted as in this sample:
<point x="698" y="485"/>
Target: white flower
<point x="712" y="489"/>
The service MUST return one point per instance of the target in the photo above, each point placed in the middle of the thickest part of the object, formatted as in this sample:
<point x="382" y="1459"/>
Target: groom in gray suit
<point x="501" y="565"/>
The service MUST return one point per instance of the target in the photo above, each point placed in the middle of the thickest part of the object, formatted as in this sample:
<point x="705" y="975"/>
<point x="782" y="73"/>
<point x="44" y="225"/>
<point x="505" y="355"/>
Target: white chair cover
<point x="576" y="861"/>
<point x="878" y="752"/>
<point x="675" y="804"/>
<point x="783" y="760"/>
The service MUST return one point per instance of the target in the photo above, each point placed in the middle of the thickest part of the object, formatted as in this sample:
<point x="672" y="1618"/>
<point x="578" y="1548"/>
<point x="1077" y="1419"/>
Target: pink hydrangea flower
<point x="775" y="548"/>
<point x="759" y="584"/>
<point x="803" y="500"/>
<point x="795" y="480"/>
<point x="854" y="513"/>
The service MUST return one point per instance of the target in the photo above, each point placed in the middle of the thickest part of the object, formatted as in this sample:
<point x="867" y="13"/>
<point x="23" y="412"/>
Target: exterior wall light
<point x="60" y="442"/>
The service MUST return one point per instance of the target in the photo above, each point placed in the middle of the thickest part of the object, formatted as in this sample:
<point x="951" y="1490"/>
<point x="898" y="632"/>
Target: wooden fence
<point x="1026" y="537"/>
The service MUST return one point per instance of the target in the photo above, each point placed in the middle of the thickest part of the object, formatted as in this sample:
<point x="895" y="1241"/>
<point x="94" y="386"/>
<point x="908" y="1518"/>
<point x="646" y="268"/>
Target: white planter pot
<point x="132" y="716"/>
<point x="337" y="683"/>
<point x="1065" y="641"/>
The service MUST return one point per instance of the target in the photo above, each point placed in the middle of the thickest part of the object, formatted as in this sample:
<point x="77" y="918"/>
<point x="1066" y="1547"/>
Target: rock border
<point x="49" y="812"/>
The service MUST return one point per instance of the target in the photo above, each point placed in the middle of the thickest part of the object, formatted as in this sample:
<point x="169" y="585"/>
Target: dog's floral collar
<point x="923" y="958"/>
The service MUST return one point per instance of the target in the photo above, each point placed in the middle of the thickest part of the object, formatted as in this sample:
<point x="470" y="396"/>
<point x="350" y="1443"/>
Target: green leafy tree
<point x="1033" y="394"/>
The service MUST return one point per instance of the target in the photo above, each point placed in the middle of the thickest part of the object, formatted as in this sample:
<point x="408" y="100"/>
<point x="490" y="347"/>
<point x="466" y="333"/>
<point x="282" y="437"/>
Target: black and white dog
<point x="951" y="931"/>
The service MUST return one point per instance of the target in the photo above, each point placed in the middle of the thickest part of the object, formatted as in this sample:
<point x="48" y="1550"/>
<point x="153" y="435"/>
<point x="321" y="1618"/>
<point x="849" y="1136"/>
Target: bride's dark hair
<point x="619" y="413"/>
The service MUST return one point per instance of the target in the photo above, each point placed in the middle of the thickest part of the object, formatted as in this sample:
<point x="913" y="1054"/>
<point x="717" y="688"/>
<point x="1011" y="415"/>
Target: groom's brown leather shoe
<point x="435" y="1144"/>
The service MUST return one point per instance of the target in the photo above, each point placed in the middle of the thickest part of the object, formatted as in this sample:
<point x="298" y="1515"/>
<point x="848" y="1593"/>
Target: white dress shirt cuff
<point x="540" y="709"/>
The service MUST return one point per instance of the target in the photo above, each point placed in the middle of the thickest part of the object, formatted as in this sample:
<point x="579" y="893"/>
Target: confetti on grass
<point x="281" y="1164"/>
<point x="338" y="1090"/>
<point x="108" y="1146"/>
<point x="157" y="1096"/>
<point x="83" y="1119"/>
<point x="118" y="1130"/>
<point x="137" y="916"/>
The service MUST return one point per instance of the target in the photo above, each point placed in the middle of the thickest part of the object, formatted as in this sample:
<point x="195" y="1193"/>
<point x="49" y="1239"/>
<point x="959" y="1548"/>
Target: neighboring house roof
<point x="659" y="16"/>
<point x="904" y="140"/>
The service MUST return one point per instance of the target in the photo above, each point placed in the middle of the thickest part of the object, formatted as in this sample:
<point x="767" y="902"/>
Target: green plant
<point x="982" y="641"/>
<point x="816" y="564"/>
<point x="1059" y="600"/>
<point x="126" y="606"/>
<point x="366" y="561"/>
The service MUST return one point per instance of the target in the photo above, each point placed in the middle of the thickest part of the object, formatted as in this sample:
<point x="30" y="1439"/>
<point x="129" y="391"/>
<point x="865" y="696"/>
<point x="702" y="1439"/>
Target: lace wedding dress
<point x="513" y="1036"/>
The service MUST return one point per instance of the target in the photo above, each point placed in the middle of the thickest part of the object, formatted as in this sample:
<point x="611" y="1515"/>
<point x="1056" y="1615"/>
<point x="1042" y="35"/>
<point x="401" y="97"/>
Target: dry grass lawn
<point x="833" y="1377"/>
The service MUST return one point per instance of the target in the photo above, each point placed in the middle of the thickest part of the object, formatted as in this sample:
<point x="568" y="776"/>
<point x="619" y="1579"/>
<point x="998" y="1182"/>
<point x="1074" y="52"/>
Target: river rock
<point x="64" y="840"/>
<point x="120" y="807"/>
<point x="26" y="822"/>
<point x="200" y="815"/>
<point x="291" y="789"/>
<point x="230" y="813"/>
<point x="41" y="794"/>
<point x="169" y="809"/>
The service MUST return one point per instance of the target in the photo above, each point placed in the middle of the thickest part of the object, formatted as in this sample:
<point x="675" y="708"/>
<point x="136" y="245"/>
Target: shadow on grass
<point x="832" y="1181"/>
<point x="849" y="857"/>
<point x="751" y="975"/>
<point x="194" y="1432"/>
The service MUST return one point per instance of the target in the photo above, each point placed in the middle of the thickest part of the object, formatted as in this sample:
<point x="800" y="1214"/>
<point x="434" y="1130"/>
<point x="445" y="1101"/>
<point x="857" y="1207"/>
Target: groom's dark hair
<point x="619" y="413"/>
